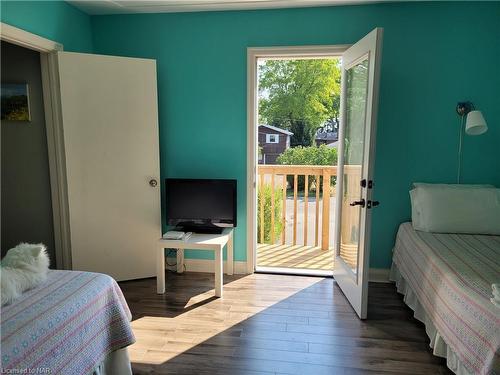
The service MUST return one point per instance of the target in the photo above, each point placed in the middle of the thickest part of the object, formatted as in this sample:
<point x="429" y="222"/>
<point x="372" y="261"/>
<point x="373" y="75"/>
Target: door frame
<point x="254" y="53"/>
<point x="54" y="129"/>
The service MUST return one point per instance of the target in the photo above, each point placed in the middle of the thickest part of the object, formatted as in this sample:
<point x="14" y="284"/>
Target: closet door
<point x="110" y="122"/>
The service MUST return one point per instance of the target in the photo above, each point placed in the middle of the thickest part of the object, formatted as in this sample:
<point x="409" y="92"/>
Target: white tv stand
<point x="197" y="241"/>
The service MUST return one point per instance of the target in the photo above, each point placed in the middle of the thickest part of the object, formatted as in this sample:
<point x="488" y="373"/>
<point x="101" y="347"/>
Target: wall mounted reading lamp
<point x="474" y="125"/>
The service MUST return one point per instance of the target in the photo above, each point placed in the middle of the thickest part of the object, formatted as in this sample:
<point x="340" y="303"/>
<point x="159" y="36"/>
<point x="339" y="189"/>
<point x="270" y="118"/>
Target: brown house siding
<point x="271" y="151"/>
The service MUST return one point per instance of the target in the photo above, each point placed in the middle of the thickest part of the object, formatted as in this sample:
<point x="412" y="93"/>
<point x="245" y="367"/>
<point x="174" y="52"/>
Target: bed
<point x="446" y="279"/>
<point x="74" y="323"/>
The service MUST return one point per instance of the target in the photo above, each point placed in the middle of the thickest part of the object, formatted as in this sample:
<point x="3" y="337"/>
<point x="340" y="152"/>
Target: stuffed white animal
<point x="23" y="267"/>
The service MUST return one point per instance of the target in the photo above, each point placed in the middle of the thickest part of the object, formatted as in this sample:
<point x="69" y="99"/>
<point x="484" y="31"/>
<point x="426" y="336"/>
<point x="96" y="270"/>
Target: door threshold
<point x="294" y="271"/>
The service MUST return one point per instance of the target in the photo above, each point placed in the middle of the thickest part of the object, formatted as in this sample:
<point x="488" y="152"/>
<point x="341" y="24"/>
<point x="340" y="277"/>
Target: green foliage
<point x="265" y="194"/>
<point x="299" y="95"/>
<point x="312" y="155"/>
<point x="15" y="108"/>
<point x="357" y="83"/>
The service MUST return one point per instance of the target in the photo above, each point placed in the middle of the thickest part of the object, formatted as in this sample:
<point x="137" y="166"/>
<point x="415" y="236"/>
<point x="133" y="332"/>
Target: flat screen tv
<point x="200" y="205"/>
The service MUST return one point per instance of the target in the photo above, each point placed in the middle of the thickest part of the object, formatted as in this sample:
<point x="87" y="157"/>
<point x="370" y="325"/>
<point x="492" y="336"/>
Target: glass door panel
<point x="355" y="117"/>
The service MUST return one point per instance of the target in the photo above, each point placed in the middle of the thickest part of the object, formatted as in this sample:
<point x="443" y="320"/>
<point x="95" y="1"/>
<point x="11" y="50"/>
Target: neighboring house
<point x="273" y="141"/>
<point x="326" y="137"/>
<point x="327" y="134"/>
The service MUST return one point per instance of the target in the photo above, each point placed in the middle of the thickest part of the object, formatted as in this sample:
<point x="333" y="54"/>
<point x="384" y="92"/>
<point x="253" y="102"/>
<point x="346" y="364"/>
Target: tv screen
<point x="200" y="203"/>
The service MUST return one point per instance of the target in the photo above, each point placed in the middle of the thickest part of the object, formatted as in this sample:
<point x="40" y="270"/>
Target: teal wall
<point x="434" y="55"/>
<point x="54" y="20"/>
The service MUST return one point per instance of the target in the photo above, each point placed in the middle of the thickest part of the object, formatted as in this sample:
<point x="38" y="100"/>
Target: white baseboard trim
<point x="206" y="265"/>
<point x="375" y="275"/>
<point x="379" y="275"/>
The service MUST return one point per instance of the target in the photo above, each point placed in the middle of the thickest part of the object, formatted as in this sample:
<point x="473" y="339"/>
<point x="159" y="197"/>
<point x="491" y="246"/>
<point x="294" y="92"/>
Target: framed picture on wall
<point x="15" y="102"/>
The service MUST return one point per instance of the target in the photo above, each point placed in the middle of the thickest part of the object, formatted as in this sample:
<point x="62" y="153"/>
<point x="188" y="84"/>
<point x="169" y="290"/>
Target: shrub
<point x="312" y="155"/>
<point x="265" y="193"/>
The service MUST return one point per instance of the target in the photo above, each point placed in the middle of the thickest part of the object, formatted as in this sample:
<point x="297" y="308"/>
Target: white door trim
<point x="28" y="40"/>
<point x="55" y="142"/>
<point x="254" y="53"/>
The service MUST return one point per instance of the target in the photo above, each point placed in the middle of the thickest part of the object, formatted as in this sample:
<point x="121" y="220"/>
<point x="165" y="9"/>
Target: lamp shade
<point x="475" y="124"/>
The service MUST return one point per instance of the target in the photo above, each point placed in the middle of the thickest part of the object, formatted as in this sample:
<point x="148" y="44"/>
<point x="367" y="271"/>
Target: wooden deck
<point x="295" y="257"/>
<point x="301" y="223"/>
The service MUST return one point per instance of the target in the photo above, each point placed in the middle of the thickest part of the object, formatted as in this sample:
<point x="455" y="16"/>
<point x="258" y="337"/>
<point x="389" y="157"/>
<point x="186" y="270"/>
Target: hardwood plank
<point x="272" y="324"/>
<point x="376" y="352"/>
<point x="238" y="365"/>
<point x="344" y="361"/>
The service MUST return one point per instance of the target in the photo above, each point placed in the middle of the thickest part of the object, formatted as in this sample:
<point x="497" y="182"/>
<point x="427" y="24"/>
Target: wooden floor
<point x="272" y="324"/>
<point x="297" y="257"/>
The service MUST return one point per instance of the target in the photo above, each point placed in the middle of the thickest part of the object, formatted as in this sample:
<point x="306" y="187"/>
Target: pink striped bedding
<point x="67" y="325"/>
<point x="451" y="275"/>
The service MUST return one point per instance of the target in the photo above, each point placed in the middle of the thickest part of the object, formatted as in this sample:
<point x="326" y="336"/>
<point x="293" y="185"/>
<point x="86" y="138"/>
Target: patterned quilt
<point x="451" y="275"/>
<point x="67" y="325"/>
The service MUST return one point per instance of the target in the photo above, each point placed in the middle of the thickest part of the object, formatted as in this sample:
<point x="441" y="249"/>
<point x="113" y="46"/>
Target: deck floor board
<point x="294" y="257"/>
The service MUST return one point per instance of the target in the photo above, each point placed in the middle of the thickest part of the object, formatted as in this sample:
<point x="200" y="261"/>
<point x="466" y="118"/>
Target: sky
<point x="14" y="89"/>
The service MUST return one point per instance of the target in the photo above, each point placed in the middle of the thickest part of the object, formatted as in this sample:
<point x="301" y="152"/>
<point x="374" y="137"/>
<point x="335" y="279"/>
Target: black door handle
<point x="358" y="203"/>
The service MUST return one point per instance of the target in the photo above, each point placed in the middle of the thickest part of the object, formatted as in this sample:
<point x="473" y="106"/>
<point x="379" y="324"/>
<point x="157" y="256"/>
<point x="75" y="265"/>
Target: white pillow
<point x="23" y="267"/>
<point x="415" y="206"/>
<point x="444" y="208"/>
<point x="468" y="186"/>
<point x="416" y="217"/>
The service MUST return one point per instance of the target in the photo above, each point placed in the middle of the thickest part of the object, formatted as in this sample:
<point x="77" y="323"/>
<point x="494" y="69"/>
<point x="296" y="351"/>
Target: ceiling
<point x="101" y="7"/>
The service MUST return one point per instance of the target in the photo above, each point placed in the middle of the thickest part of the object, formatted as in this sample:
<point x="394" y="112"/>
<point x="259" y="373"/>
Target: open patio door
<point x="359" y="97"/>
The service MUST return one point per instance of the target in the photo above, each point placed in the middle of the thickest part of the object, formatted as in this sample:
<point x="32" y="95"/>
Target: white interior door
<point x="110" y="121"/>
<point x="359" y="97"/>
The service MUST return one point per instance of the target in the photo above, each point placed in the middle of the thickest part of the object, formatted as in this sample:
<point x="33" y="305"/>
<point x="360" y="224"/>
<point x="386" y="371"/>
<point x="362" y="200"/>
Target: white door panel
<point x="110" y="122"/>
<point x="359" y="98"/>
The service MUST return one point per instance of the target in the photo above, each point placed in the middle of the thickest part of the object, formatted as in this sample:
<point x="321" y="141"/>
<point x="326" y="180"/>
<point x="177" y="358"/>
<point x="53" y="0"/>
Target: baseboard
<point x="206" y="265"/>
<point x="375" y="275"/>
<point x="379" y="275"/>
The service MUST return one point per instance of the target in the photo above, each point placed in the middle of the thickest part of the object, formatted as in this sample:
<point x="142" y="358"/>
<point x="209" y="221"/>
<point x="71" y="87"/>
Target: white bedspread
<point x="67" y="325"/>
<point x="451" y="276"/>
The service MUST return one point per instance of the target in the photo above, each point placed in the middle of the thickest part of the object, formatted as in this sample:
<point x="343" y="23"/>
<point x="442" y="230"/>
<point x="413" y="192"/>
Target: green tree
<point x="299" y="95"/>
